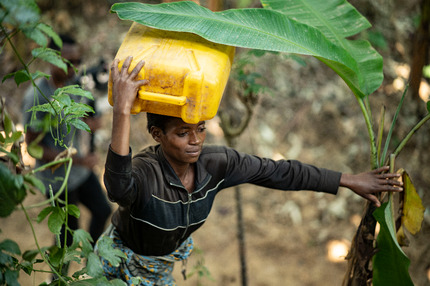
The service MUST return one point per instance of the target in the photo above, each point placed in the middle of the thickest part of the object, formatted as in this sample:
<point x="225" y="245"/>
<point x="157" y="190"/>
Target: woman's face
<point x="181" y="142"/>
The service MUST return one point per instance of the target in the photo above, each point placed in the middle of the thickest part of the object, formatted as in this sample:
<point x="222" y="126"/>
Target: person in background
<point x="83" y="185"/>
<point x="165" y="192"/>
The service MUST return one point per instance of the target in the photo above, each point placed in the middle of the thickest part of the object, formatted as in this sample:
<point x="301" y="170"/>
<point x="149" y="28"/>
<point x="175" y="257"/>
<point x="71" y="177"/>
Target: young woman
<point x="166" y="192"/>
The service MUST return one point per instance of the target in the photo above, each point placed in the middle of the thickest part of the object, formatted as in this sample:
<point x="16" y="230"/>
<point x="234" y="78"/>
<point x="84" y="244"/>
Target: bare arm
<point x="366" y="184"/>
<point x="124" y="91"/>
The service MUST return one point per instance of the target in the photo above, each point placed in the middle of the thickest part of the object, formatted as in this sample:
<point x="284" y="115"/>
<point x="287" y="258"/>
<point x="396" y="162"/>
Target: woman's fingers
<point x="137" y="69"/>
<point x="126" y="65"/>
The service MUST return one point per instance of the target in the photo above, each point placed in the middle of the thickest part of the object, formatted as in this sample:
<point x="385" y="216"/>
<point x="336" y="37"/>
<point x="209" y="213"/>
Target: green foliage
<point x="64" y="108"/>
<point x="65" y="111"/>
<point x="8" y="264"/>
<point x="275" y="30"/>
<point x="199" y="269"/>
<point x="390" y="264"/>
<point x="12" y="191"/>
<point x="111" y="254"/>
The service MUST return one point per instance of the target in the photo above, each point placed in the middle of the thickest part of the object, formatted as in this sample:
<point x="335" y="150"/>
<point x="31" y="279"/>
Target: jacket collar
<point x="202" y="175"/>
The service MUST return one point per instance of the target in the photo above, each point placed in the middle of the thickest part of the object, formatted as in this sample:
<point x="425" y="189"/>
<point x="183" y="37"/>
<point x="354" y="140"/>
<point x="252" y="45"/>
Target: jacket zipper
<point x="189" y="204"/>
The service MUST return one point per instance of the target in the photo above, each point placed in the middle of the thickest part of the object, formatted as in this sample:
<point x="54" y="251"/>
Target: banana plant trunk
<point x="359" y="272"/>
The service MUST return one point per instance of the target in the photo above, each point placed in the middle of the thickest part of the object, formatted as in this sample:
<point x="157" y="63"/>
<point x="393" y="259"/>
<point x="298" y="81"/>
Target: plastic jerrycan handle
<point x="164" y="98"/>
<point x="159" y="97"/>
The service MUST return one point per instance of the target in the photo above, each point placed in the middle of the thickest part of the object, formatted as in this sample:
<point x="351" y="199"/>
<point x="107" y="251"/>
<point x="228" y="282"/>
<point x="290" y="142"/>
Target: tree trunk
<point x="420" y="51"/>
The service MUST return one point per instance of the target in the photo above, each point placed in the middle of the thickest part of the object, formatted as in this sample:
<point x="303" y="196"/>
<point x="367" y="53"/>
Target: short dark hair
<point x="66" y="39"/>
<point x="157" y="120"/>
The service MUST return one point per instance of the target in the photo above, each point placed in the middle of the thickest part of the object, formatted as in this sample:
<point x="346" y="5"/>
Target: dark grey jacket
<point x="156" y="213"/>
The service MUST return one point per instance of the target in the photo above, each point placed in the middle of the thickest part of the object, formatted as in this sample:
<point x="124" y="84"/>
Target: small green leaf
<point x="39" y="74"/>
<point x="106" y="250"/>
<point x="15" y="136"/>
<point x="94" y="265"/>
<point x="51" y="56"/>
<point x="56" y="220"/>
<point x="8" y="76"/>
<point x="10" y="246"/>
<point x="11" y="277"/>
<point x="35" y="182"/>
<point x="21" y="76"/>
<point x="78" y="91"/>
<point x="44" y="213"/>
<point x="73" y="210"/>
<point x="7" y="124"/>
<point x="50" y="33"/>
<point x="428" y="106"/>
<point x="12" y="190"/>
<point x="35" y="150"/>
<point x="63" y="99"/>
<point x="35" y="34"/>
<point x="79" y="124"/>
<point x="56" y="255"/>
<point x="30" y="255"/>
<point x="72" y="255"/>
<point x="82" y="237"/>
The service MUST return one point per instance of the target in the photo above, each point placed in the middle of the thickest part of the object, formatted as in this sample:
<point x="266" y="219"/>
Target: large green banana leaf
<point x="337" y="20"/>
<point x="355" y="61"/>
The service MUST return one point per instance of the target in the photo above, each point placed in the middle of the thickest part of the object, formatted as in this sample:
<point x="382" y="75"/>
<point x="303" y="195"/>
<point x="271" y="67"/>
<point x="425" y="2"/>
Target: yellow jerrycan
<point x="187" y="74"/>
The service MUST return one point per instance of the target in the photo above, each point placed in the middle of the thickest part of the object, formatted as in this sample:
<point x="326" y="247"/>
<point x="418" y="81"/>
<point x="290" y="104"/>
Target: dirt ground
<point x="292" y="238"/>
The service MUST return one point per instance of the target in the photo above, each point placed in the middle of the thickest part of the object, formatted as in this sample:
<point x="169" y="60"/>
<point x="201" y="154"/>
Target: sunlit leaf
<point x="356" y="61"/>
<point x="338" y="20"/>
<point x="390" y="263"/>
<point x="413" y="209"/>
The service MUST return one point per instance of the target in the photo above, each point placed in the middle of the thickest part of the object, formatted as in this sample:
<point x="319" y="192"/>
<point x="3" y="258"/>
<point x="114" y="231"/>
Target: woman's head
<point x="157" y="120"/>
<point x="181" y="142"/>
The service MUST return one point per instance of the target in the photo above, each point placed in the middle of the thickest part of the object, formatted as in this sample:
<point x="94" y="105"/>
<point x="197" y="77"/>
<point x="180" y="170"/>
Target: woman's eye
<point x="202" y="129"/>
<point x="182" y="134"/>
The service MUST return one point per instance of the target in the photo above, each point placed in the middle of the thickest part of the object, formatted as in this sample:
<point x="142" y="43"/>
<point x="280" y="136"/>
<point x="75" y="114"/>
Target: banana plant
<point x="321" y="29"/>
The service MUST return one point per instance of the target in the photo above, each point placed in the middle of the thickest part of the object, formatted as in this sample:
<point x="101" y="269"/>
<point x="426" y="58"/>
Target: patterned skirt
<point x="140" y="269"/>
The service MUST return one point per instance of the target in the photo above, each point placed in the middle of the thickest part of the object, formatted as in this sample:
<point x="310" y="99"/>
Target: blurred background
<point x="303" y="111"/>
